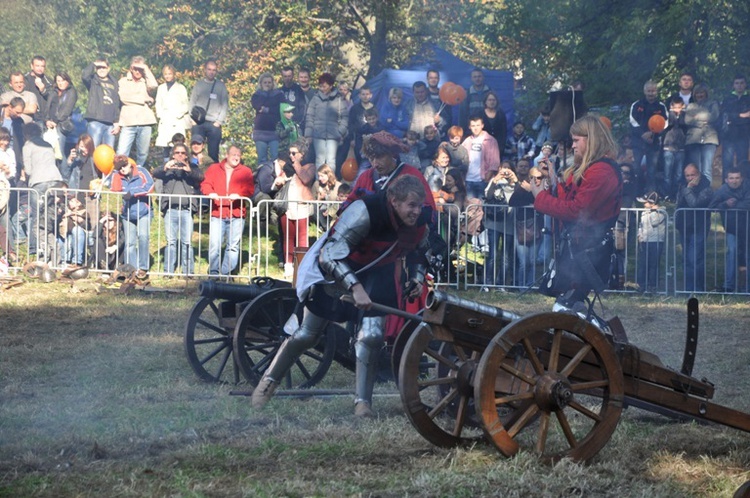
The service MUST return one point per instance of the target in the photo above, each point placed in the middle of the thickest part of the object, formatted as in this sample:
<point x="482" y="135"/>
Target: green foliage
<point x="612" y="46"/>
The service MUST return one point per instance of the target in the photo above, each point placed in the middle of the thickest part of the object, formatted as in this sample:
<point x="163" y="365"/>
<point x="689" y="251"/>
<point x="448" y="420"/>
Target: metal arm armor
<point x="351" y="228"/>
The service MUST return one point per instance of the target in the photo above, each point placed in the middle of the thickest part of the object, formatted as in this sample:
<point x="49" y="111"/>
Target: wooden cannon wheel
<point x="434" y="380"/>
<point x="260" y="331"/>
<point x="399" y="345"/>
<point x="208" y="344"/>
<point x="568" y="402"/>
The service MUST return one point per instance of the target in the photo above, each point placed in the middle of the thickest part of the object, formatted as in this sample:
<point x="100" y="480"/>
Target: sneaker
<point x="263" y="392"/>
<point x="361" y="409"/>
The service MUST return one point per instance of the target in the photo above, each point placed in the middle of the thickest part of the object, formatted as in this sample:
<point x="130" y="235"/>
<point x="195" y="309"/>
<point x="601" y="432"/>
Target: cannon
<point x="551" y="382"/>
<point x="234" y="331"/>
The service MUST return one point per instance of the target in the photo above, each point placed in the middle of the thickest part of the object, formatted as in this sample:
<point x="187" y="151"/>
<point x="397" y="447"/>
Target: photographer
<point x="181" y="181"/>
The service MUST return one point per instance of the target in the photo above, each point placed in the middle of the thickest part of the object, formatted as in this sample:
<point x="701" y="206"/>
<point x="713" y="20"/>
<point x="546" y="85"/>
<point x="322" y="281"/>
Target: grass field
<point x="97" y="399"/>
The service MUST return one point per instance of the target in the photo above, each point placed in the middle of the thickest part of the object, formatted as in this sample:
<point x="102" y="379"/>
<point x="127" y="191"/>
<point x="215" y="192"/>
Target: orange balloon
<point x="104" y="157"/>
<point x="349" y="170"/>
<point x="445" y="92"/>
<point x="657" y="123"/>
<point x="606" y="122"/>
<point x="459" y="95"/>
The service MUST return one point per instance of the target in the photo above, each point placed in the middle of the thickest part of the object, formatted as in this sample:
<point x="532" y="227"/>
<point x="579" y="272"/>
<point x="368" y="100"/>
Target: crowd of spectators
<point x="479" y="169"/>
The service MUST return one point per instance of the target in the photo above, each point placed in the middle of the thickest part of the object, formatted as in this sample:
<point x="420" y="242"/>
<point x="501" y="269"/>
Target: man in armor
<point x="358" y="256"/>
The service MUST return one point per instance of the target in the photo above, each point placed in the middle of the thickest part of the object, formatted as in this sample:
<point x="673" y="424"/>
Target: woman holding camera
<point x="84" y="176"/>
<point x="181" y="181"/>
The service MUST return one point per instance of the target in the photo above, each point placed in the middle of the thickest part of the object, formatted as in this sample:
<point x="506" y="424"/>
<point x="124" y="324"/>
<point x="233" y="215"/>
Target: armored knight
<point x="358" y="256"/>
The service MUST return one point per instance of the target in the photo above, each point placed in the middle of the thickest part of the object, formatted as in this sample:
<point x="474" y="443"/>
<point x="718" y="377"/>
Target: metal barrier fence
<point x="176" y="236"/>
<point x="489" y="247"/>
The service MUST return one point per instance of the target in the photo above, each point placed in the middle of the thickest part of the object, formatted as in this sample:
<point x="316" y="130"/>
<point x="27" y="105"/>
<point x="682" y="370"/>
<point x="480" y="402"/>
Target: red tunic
<point x="583" y="207"/>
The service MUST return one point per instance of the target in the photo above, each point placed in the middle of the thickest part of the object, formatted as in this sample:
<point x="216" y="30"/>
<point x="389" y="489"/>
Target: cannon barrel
<point x="436" y="297"/>
<point x="212" y="289"/>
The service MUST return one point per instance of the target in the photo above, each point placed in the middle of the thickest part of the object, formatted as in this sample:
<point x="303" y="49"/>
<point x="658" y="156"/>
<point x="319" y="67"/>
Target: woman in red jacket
<point x="586" y="204"/>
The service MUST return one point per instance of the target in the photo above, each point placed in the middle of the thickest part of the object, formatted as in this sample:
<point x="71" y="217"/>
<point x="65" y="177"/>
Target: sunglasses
<point x="538" y="177"/>
<point x="180" y="152"/>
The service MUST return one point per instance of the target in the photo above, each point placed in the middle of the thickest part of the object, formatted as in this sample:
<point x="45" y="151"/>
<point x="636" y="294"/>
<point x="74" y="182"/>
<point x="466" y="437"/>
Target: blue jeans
<point x="100" y="133"/>
<point x="525" y="258"/>
<point x="694" y="260"/>
<point x="178" y="224"/>
<point x="76" y="246"/>
<point x="731" y="148"/>
<point x="498" y="266"/>
<point x="36" y="209"/>
<point x="673" y="166"/>
<point x="652" y="157"/>
<point x="141" y="136"/>
<point x="219" y="229"/>
<point x="475" y="190"/>
<point x="736" y="257"/>
<point x="702" y="155"/>
<point x="136" y="242"/>
<point x="325" y="152"/>
<point x="212" y="134"/>
<point x="267" y="151"/>
<point x="649" y="260"/>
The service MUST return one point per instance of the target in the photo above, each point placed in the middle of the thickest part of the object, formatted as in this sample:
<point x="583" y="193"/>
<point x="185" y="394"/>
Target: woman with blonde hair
<point x="587" y="205"/>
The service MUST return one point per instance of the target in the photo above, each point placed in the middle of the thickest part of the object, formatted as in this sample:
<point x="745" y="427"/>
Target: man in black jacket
<point x="103" y="111"/>
<point x="693" y="221"/>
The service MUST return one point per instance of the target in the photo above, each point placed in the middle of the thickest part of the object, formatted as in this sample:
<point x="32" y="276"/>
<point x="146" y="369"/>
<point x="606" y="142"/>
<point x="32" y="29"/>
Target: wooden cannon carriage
<point x="552" y="382"/>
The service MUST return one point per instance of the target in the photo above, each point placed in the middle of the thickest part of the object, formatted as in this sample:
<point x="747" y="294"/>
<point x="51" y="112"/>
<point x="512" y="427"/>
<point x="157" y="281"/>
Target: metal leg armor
<point x="367" y="349"/>
<point x="305" y="337"/>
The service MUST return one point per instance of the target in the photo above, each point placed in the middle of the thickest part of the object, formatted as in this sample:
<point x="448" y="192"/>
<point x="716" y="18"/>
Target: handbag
<point x="66" y="126"/>
<point x="198" y="114"/>
<point x="281" y="201"/>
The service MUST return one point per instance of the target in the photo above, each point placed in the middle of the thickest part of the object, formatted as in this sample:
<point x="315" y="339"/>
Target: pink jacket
<point x="490" y="154"/>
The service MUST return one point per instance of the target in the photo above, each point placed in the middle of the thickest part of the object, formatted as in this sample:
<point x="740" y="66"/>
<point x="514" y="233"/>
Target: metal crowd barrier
<point x="486" y="249"/>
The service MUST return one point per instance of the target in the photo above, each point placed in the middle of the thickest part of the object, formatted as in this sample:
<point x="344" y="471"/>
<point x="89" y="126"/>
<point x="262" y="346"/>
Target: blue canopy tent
<point x="452" y="69"/>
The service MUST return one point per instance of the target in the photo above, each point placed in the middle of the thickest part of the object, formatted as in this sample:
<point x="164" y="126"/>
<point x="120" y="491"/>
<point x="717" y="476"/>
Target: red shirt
<point x="240" y="183"/>
<point x="585" y="205"/>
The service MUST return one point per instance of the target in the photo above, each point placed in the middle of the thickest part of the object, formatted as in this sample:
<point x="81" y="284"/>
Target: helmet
<point x="48" y="275"/>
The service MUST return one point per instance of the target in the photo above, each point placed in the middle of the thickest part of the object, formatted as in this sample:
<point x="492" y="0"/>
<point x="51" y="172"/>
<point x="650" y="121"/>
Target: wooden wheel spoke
<point x="436" y="381"/>
<point x="576" y="360"/>
<point x="523" y="419"/>
<point x="542" y="435"/>
<point x="223" y="364"/>
<point x="554" y="354"/>
<point x="211" y="326"/>
<point x="517" y="373"/>
<point x="532" y="356"/>
<point x="212" y="340"/>
<point x="565" y="425"/>
<point x="514" y="397"/>
<point x="213" y="353"/>
<point x="585" y="386"/>
<point x="461" y="413"/>
<point x="443" y="403"/>
<point x="441" y="359"/>
<point x="585" y="411"/>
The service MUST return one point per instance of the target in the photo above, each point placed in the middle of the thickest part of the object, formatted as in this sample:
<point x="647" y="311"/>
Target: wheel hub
<point x="552" y="392"/>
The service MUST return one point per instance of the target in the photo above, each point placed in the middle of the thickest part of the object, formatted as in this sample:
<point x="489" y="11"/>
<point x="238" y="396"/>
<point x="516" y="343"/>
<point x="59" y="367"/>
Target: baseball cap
<point x="197" y="139"/>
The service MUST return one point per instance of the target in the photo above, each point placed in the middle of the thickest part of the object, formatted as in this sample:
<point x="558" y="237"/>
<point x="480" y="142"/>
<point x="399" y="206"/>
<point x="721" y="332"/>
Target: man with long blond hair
<point x="586" y="206"/>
